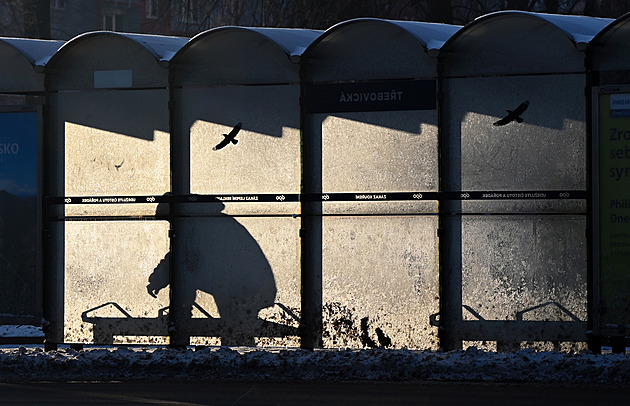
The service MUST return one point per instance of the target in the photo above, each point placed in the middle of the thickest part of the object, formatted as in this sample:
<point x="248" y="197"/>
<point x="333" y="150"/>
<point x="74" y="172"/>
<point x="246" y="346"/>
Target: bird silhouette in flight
<point x="231" y="137"/>
<point x="513" y="115"/>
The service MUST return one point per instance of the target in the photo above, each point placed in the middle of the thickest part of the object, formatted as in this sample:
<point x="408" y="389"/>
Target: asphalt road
<point x="305" y="394"/>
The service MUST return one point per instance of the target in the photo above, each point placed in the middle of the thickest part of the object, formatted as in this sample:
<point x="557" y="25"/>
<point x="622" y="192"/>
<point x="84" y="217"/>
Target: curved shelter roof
<point x="611" y="46"/>
<point x="372" y="49"/>
<point x="144" y="57"/>
<point x="518" y="42"/>
<point x="18" y="58"/>
<point x="242" y="55"/>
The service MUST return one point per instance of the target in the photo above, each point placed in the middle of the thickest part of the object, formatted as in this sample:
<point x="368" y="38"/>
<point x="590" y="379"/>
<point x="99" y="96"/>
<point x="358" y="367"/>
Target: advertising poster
<point x="18" y="213"/>
<point x="614" y="209"/>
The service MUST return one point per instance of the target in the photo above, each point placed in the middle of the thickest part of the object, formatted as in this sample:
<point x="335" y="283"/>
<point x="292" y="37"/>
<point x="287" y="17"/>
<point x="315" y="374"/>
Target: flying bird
<point x="513" y="115"/>
<point x="231" y="137"/>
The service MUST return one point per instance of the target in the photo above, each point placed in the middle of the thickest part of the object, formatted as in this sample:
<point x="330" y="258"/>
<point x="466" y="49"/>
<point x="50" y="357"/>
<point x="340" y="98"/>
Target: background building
<point x="64" y="19"/>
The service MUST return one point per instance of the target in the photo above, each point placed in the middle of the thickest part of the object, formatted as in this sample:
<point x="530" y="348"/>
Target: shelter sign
<point x="370" y="96"/>
<point x="613" y="186"/>
<point x="19" y="213"/>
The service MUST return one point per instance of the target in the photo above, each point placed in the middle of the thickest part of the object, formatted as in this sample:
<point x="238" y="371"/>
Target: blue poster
<point x="18" y="213"/>
<point x="18" y="153"/>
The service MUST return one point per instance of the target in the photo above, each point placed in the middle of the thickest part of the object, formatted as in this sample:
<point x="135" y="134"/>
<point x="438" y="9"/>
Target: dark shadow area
<point x="369" y="100"/>
<point x="117" y="111"/>
<point x="553" y="99"/>
<point x="18" y="255"/>
<point x="105" y="328"/>
<point x="216" y="255"/>
<point x="20" y="213"/>
<point x="263" y="110"/>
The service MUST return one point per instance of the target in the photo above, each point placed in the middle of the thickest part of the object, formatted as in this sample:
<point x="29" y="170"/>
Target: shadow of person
<point x="217" y="255"/>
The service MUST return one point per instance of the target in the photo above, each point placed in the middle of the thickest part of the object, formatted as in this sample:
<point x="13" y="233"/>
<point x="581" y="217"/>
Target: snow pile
<point x="472" y="365"/>
<point x="21" y="331"/>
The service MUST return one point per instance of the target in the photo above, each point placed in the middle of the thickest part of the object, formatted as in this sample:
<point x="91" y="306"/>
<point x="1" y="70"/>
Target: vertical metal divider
<point x="50" y="306"/>
<point x="450" y="232"/>
<point x="310" y="237"/>
<point x="39" y="267"/>
<point x="592" y="203"/>
<point x="178" y="338"/>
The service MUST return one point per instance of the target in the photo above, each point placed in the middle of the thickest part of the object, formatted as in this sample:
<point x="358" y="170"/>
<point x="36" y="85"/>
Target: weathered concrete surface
<point x="266" y="158"/>
<point x="378" y="152"/>
<point x="108" y="264"/>
<point x="382" y="269"/>
<point x="511" y="265"/>
<point x="523" y="275"/>
<point x="547" y="151"/>
<point x="523" y="281"/>
<point x="124" y="152"/>
<point x="240" y="271"/>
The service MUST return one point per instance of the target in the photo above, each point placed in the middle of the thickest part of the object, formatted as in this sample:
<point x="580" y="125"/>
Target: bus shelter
<point x="371" y="176"/>
<point x="108" y="169"/>
<point x="21" y="109"/>
<point x="515" y="178"/>
<point x="237" y="178"/>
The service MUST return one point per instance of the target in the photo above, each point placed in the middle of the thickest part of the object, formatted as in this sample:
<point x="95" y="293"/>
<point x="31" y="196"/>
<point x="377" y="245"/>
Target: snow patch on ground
<point x="20" y="331"/>
<point x="32" y="363"/>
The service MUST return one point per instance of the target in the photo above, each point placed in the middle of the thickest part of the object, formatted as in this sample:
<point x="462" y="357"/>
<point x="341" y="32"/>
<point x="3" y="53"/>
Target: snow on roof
<point x="579" y="29"/>
<point x="162" y="48"/>
<point x="431" y="35"/>
<point x="292" y="41"/>
<point x="33" y="50"/>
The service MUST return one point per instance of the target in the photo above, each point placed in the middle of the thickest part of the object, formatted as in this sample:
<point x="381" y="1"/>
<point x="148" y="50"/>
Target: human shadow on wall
<point x="217" y="255"/>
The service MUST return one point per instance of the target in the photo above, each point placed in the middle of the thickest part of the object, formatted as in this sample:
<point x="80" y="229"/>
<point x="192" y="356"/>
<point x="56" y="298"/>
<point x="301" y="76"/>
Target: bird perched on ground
<point x="365" y="338"/>
<point x="513" y="115"/>
<point x="231" y="137"/>
<point x="382" y="338"/>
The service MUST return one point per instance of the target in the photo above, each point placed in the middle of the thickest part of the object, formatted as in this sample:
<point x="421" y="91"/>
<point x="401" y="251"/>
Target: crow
<point x="513" y="115"/>
<point x="382" y="338"/>
<point x="231" y="137"/>
<point x="365" y="338"/>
